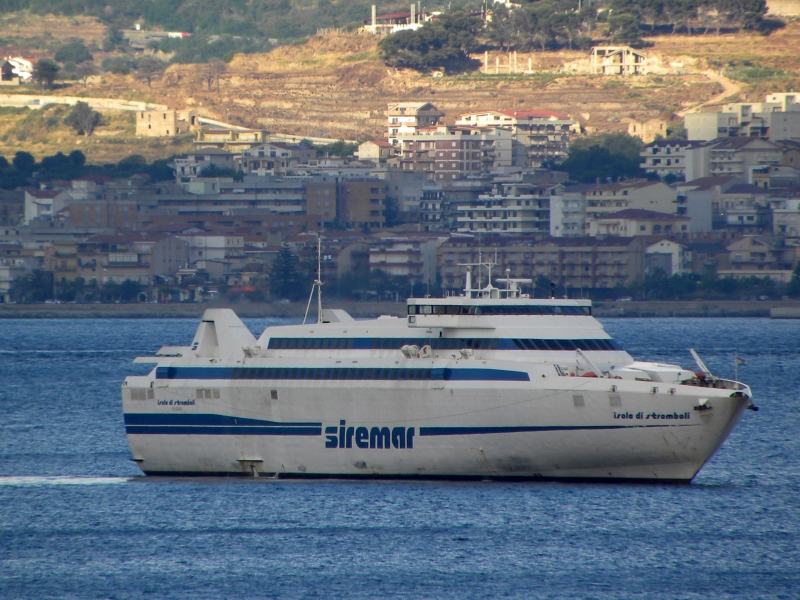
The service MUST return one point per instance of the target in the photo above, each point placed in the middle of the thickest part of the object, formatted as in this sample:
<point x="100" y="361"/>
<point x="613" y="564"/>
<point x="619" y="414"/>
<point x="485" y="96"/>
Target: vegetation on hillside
<point x="553" y="24"/>
<point x="240" y="23"/>
<point x="23" y="169"/>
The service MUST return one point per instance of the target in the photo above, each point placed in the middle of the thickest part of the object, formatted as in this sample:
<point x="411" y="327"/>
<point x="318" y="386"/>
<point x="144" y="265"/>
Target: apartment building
<point x="361" y="203"/>
<point x="699" y="200"/>
<point x="406" y="118"/>
<point x="451" y="153"/>
<point x="637" y="221"/>
<point x="579" y="263"/>
<point x="412" y="256"/>
<point x="739" y="156"/>
<point x="777" y="118"/>
<point x="667" y="157"/>
<point x="514" y="208"/>
<point x="136" y="257"/>
<point x="540" y="135"/>
<point x="760" y="256"/>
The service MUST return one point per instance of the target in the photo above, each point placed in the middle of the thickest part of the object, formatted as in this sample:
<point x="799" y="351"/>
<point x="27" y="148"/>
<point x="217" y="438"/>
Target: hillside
<point x="335" y="86"/>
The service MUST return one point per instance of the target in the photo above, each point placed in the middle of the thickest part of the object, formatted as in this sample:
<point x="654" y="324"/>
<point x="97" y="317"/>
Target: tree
<point x="150" y="68"/>
<point x="85" y="70"/>
<point x="624" y="29"/>
<point x="36" y="286"/>
<point x="24" y="162"/>
<point x="45" y="73"/>
<point x="73" y="51"/>
<point x="212" y="71"/>
<point x="445" y="43"/>
<point x="597" y="162"/>
<point x="284" y="277"/>
<point x="77" y="158"/>
<point x="83" y="119"/>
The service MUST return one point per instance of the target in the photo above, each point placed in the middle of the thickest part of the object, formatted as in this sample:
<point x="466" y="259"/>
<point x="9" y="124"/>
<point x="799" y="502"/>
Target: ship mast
<point x="317" y="284"/>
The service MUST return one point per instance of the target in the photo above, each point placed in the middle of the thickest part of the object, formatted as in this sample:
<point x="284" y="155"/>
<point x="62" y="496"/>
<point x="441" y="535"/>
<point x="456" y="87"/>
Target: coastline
<point x="362" y="310"/>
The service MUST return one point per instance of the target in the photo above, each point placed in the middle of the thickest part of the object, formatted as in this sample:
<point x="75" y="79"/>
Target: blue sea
<point x="77" y="519"/>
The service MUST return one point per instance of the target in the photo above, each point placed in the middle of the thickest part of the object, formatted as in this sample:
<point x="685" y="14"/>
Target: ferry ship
<point x="490" y="384"/>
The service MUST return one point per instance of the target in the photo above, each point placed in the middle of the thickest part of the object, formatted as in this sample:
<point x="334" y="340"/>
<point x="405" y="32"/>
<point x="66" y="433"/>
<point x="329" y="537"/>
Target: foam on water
<point x="34" y="481"/>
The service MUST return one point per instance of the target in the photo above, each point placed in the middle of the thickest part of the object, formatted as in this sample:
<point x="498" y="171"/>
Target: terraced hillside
<point x="335" y="86"/>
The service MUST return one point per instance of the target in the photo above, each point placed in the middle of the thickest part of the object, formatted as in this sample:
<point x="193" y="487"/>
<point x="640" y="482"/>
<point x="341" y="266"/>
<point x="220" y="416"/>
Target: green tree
<point x="444" y="43"/>
<point x="36" y="286"/>
<point x="285" y="280"/>
<point x="45" y="73"/>
<point x="597" y="162"/>
<point x="624" y="29"/>
<point x="24" y="161"/>
<point x="74" y="51"/>
<point x="83" y="119"/>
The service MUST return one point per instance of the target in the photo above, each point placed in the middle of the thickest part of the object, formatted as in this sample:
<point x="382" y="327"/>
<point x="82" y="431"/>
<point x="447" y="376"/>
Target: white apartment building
<point x="406" y="118"/>
<point x="515" y="208"/>
<point x="542" y="134"/>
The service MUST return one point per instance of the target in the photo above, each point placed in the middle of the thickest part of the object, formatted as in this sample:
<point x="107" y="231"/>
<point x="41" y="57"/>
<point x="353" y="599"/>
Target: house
<point x="708" y="257"/>
<point x="636" y="222"/>
<point x="271" y="159"/>
<point x="699" y="200"/>
<point x="669" y="256"/>
<point x="165" y="123"/>
<point x="617" y="60"/>
<point x="44" y="204"/>
<point x="760" y="256"/>
<point x="539" y="135"/>
<point x="405" y="118"/>
<point x="746" y="209"/>
<point x="232" y="140"/>
<point x="375" y="150"/>
<point x="648" y="130"/>
<point x="7" y="74"/>
<point x="22" y="67"/>
<point x="192" y="164"/>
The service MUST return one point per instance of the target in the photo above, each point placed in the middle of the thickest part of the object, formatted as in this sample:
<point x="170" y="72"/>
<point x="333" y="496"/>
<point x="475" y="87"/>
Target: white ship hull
<point x="548" y="427"/>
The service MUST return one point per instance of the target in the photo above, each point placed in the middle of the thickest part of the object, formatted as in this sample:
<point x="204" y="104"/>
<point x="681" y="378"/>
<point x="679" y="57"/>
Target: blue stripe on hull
<point x="236" y="430"/>
<point x="437" y="431"/>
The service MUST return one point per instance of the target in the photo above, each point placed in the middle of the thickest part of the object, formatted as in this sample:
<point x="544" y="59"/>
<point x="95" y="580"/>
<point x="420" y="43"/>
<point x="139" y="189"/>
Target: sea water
<point x="77" y="519"/>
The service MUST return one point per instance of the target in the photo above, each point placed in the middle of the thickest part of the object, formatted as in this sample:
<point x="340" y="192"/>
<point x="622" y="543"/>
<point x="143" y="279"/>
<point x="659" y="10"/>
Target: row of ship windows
<point x="523" y="309"/>
<point x="337" y="373"/>
<point x="439" y="344"/>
